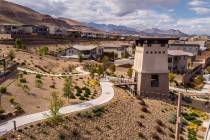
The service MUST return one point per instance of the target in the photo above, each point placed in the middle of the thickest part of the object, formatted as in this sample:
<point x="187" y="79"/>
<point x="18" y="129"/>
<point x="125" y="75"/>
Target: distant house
<point x="42" y="30"/>
<point x="120" y="50"/>
<point x="202" y="44"/>
<point x="87" y="52"/>
<point x="73" y="33"/>
<point x="58" y="31"/>
<point x="27" y="29"/>
<point x="5" y="36"/>
<point x="190" y="48"/>
<point x="178" y="60"/>
<point x="8" y="29"/>
<point x="32" y="29"/>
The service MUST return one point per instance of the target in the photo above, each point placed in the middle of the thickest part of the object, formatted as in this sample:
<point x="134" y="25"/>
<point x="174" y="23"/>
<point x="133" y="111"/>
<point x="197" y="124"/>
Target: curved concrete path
<point x="79" y="69"/>
<point x="106" y="96"/>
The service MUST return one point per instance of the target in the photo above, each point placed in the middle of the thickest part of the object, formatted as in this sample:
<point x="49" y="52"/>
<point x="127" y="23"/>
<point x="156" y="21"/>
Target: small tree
<point x="112" y="68"/>
<point x="106" y="63"/>
<point x="130" y="72"/>
<point x="100" y="70"/>
<point x="171" y="77"/>
<point x="3" y="90"/>
<point x="19" y="44"/>
<point x="80" y="57"/>
<point x="55" y="105"/>
<point x="67" y="90"/>
<point x="11" y="55"/>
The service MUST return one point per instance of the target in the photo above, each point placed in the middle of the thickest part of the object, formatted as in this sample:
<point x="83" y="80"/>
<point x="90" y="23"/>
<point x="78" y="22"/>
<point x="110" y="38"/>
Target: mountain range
<point x="11" y="13"/>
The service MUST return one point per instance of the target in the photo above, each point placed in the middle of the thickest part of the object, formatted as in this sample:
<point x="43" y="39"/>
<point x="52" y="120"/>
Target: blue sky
<point x="190" y="16"/>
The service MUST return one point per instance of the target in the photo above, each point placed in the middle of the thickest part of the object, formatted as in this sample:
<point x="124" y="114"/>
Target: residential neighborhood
<point x="105" y="70"/>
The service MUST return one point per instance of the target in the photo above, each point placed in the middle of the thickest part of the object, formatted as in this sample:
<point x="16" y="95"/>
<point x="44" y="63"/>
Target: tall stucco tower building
<point x="151" y="66"/>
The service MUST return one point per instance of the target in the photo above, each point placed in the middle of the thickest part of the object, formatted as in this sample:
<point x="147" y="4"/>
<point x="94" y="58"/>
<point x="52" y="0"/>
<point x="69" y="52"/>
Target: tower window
<point x="151" y="52"/>
<point x="164" y="52"/>
<point x="155" y="80"/>
<point x="147" y="52"/>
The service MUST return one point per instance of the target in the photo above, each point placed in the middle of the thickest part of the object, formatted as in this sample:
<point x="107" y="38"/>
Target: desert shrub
<point x="171" y="135"/>
<point x="159" y="122"/>
<point x="87" y="90"/>
<point x="12" y="99"/>
<point x="192" y="134"/>
<point x="78" y="94"/>
<point x="2" y="110"/>
<point x="141" y="135"/>
<point x="75" y="133"/>
<point x="3" y="90"/>
<point x="171" y="129"/>
<point x="144" y="109"/>
<point x="65" y="127"/>
<point x="23" y="80"/>
<point x="38" y="76"/>
<point x="19" y="109"/>
<point x="142" y="116"/>
<point x="61" y="136"/>
<point x="159" y="129"/>
<point x="140" y="124"/>
<point x="82" y="98"/>
<point x="38" y="83"/>
<point x="188" y="117"/>
<point x="155" y="136"/>
<point x="86" y="95"/>
<point x="109" y="126"/>
<point x="98" y="111"/>
<point x="79" y="90"/>
<point x="172" y="119"/>
<point x="88" y="115"/>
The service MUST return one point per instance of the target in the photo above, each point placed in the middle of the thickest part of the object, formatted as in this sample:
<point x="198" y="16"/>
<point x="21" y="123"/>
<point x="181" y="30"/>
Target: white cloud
<point x="194" y="25"/>
<point x="139" y="14"/>
<point x="201" y="7"/>
<point x="201" y="10"/>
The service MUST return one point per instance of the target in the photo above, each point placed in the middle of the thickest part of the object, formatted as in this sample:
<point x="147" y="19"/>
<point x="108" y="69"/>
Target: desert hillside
<point x="11" y="13"/>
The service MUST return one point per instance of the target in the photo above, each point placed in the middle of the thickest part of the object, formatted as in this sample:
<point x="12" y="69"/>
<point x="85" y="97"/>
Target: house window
<point x="169" y="60"/>
<point x="155" y="80"/>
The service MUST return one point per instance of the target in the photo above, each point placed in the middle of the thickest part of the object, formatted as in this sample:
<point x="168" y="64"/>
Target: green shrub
<point x="86" y="95"/>
<point x="172" y="120"/>
<point x="38" y="83"/>
<point x="19" y="109"/>
<point x="61" y="136"/>
<point x="23" y="80"/>
<point x="38" y="76"/>
<point x="82" y="98"/>
<point x="3" y="89"/>
<point x="78" y="94"/>
<point x="12" y="99"/>
<point x="2" y="110"/>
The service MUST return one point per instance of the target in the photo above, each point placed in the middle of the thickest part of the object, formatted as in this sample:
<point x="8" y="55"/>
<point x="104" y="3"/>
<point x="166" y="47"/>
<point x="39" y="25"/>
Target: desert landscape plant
<point x="68" y="89"/>
<point x="55" y="104"/>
